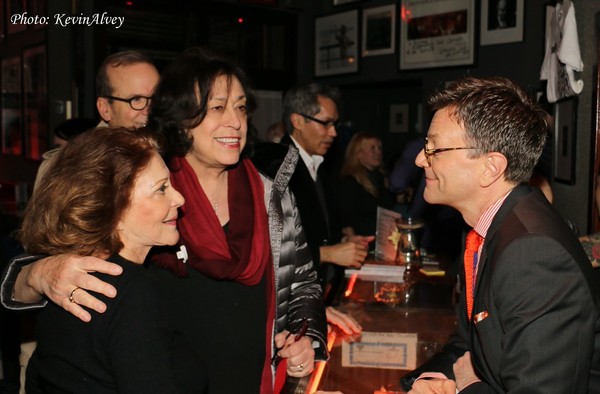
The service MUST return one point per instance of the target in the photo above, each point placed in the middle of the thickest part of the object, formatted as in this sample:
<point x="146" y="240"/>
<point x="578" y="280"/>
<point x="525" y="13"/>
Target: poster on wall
<point x="436" y="33"/>
<point x="336" y="43"/>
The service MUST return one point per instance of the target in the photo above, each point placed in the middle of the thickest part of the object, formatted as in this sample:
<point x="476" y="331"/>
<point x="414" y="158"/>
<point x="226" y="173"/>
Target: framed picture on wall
<point x="12" y="138"/>
<point x="35" y="89"/>
<point x="565" y="126"/>
<point x="437" y="33"/>
<point x="379" y="30"/>
<point x="14" y="7"/>
<point x="501" y="21"/>
<point x="399" y="117"/>
<point x="336" y="43"/>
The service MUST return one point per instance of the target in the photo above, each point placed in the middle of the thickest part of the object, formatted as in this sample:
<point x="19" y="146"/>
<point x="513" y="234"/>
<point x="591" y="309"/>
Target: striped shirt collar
<point x="483" y="225"/>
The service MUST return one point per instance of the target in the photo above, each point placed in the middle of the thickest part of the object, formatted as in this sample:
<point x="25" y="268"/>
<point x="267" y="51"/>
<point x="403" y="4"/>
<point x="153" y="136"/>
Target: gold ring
<point x="71" y="295"/>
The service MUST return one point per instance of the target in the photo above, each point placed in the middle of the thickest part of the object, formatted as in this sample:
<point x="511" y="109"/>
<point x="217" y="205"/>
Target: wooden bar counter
<point x="427" y="309"/>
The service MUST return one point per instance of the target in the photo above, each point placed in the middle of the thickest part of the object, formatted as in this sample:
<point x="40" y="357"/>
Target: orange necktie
<point x="474" y="241"/>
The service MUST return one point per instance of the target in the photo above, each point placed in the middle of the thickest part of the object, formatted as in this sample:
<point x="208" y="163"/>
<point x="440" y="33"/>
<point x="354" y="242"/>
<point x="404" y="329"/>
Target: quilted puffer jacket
<point x="298" y="290"/>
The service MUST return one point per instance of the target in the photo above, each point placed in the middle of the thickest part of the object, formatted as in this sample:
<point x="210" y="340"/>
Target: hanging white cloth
<point x="562" y="57"/>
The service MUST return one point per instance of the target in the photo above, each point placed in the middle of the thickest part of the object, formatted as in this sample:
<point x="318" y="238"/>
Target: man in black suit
<point x="529" y="311"/>
<point x="310" y="116"/>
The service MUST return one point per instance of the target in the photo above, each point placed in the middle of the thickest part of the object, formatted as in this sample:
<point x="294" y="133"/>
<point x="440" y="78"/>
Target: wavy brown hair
<point x="82" y="197"/>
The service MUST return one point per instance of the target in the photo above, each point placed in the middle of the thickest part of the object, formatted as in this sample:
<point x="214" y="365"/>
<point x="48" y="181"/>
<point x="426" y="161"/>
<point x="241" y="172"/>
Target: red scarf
<point x="243" y="254"/>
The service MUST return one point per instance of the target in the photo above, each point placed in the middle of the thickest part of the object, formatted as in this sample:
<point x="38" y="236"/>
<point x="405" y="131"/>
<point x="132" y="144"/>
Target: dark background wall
<point x="275" y="45"/>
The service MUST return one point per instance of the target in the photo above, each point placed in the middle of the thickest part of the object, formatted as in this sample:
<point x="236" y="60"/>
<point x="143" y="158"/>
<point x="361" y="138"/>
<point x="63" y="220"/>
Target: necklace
<point x="215" y="199"/>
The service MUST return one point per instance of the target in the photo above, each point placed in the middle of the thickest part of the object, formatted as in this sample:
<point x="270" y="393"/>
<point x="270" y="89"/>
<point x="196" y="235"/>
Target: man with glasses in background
<point x="124" y="86"/>
<point x="310" y="116"/>
<point x="528" y="314"/>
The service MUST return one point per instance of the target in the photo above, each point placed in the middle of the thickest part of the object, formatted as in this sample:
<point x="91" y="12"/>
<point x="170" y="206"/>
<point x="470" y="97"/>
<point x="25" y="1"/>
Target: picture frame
<point x="14" y="7"/>
<point x="379" y="30"/>
<point x="35" y="93"/>
<point x="336" y="43"/>
<point x="436" y="33"/>
<point x="12" y="136"/>
<point x="342" y="2"/>
<point x="399" y="118"/>
<point x="501" y="21"/>
<point x="565" y="131"/>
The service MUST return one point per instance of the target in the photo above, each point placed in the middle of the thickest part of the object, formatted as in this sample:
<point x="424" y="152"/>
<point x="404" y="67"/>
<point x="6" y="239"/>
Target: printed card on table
<point x="387" y="350"/>
<point x="386" y="242"/>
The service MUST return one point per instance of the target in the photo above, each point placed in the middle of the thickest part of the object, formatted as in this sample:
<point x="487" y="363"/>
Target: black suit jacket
<point x="539" y="298"/>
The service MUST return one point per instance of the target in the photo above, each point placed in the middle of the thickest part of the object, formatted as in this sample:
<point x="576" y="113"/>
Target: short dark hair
<point x="304" y="99"/>
<point x="124" y="58"/>
<point x="498" y="116"/>
<point x="85" y="192"/>
<point x="175" y="107"/>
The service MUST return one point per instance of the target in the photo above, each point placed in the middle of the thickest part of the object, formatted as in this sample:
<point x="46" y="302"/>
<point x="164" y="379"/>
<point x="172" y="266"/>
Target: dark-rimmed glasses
<point x="137" y="103"/>
<point x="432" y="152"/>
<point x="326" y="123"/>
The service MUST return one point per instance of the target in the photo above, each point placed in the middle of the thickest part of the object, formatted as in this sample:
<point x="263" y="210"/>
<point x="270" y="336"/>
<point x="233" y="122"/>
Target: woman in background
<point x="363" y="186"/>
<point x="108" y="195"/>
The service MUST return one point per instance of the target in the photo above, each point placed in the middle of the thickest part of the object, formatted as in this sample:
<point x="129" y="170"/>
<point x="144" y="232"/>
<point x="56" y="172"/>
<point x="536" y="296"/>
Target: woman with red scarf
<point x="249" y="275"/>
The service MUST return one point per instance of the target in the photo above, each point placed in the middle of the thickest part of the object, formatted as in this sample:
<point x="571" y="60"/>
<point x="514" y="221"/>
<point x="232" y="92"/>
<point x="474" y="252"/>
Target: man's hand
<point x="464" y="372"/>
<point x="58" y="276"/>
<point x="433" y="386"/>
<point x="344" y="322"/>
<point x="347" y="254"/>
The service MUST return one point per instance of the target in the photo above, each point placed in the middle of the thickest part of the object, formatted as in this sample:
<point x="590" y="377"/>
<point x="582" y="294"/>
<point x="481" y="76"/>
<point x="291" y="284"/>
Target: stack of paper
<point x="379" y="272"/>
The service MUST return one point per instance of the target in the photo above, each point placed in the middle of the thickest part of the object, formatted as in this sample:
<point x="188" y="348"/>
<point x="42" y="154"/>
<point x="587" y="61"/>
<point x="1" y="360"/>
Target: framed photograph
<point x="12" y="138"/>
<point x="379" y="30"/>
<point x="14" y="7"/>
<point x="437" y="33"/>
<point x="340" y="2"/>
<point x="35" y="89"/>
<point x="565" y="127"/>
<point x="336" y="43"/>
<point x="501" y="21"/>
<point x="399" y="117"/>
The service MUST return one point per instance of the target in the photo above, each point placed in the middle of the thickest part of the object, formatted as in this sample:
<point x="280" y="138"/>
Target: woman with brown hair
<point x="107" y="195"/>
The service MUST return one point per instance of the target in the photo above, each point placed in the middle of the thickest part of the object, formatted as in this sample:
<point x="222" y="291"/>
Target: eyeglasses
<point x="137" y="103"/>
<point x="326" y="123"/>
<point x="432" y="152"/>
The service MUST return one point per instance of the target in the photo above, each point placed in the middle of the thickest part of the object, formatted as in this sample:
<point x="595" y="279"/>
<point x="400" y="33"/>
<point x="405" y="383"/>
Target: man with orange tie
<point x="528" y="317"/>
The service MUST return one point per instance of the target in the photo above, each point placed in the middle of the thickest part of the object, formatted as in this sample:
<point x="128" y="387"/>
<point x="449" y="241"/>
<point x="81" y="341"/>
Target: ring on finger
<point x="300" y="367"/>
<point x="71" y="299"/>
